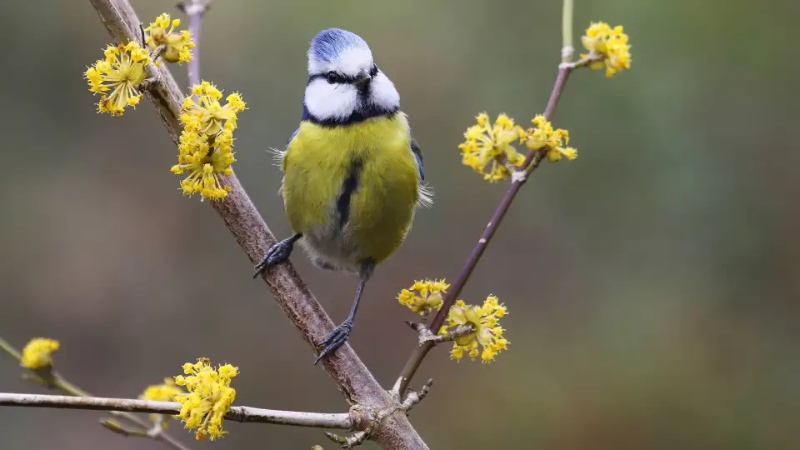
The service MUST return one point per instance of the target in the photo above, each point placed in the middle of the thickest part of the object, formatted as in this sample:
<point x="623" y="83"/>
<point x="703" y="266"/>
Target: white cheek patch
<point x="327" y="101"/>
<point x="349" y="62"/>
<point x="383" y="92"/>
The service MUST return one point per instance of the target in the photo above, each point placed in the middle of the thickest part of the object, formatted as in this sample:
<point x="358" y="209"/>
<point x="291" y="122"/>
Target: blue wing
<point x="418" y="154"/>
<point x="290" y="139"/>
<point x="425" y="193"/>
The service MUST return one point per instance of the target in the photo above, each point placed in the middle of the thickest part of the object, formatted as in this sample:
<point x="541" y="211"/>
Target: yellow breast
<point x="351" y="190"/>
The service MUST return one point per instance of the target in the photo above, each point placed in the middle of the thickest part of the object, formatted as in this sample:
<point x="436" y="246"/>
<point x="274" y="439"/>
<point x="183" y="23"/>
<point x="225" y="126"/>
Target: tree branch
<point x="53" y="380"/>
<point x="254" y="237"/>
<point x="532" y="161"/>
<point x="242" y="414"/>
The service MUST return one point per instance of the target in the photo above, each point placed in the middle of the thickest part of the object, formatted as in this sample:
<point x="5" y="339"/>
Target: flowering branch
<point x="244" y="414"/>
<point x="252" y="234"/>
<point x="532" y="161"/>
<point x="51" y="379"/>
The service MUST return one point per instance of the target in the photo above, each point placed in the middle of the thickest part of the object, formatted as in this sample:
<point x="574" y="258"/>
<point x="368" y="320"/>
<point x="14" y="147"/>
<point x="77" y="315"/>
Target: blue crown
<point x="328" y="44"/>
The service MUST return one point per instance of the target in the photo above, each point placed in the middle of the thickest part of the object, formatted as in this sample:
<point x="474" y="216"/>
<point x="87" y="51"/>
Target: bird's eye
<point x="332" y="77"/>
<point x="374" y="70"/>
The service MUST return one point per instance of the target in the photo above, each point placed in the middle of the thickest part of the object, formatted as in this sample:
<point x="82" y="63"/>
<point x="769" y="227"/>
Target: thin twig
<point x="244" y="414"/>
<point x="567" y="50"/>
<point x="51" y="379"/>
<point x="251" y="232"/>
<point x="195" y="10"/>
<point x="426" y="335"/>
<point x="532" y="161"/>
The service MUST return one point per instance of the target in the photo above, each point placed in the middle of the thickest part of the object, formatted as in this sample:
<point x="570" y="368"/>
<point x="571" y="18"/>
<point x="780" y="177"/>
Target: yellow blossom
<point x="424" y="296"/>
<point x="166" y="391"/>
<point x="554" y="140"/>
<point x="121" y="72"/>
<point x="177" y="45"/>
<point x="205" y="164"/>
<point x="205" y="150"/>
<point x="488" y="335"/>
<point x="206" y="115"/>
<point x="607" y="47"/>
<point x="36" y="354"/>
<point x="488" y="148"/>
<point x="209" y="397"/>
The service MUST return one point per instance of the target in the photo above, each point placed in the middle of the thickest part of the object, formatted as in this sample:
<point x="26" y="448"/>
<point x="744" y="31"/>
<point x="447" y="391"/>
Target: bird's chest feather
<point x="348" y="188"/>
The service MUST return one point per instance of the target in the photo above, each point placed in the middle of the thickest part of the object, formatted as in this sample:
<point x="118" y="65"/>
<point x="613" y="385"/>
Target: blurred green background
<point x="652" y="283"/>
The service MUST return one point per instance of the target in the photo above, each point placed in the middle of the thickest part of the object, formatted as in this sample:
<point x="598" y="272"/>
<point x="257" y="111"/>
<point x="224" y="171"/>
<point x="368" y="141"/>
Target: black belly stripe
<point x="348" y="189"/>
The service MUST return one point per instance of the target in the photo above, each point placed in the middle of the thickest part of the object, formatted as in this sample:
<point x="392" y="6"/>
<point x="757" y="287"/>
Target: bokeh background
<point x="652" y="284"/>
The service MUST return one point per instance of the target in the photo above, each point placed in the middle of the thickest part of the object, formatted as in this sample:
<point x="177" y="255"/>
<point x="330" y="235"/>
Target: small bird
<point x="353" y="174"/>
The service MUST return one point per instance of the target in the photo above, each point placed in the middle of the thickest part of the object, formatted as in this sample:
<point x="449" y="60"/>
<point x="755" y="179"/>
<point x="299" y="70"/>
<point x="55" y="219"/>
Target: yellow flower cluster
<point x="545" y="136"/>
<point x="488" y="334"/>
<point x="165" y="392"/>
<point x="607" y="47"/>
<point x="209" y="397"/>
<point x="36" y="354"/>
<point x="177" y="45"/>
<point x="205" y="150"/>
<point x="121" y="72"/>
<point x="488" y="148"/>
<point x="162" y="392"/>
<point x="424" y="296"/>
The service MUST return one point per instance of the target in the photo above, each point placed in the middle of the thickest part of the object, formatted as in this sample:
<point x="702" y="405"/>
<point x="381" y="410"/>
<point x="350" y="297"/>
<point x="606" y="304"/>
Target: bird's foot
<point x="275" y="255"/>
<point x="335" y="339"/>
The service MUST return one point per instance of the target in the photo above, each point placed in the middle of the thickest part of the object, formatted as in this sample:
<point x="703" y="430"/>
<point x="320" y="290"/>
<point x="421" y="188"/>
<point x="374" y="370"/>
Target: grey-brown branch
<point x="340" y="421"/>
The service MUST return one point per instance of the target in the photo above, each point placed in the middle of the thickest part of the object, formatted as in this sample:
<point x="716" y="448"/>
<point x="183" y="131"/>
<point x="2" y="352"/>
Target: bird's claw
<point x="275" y="255"/>
<point x="335" y="339"/>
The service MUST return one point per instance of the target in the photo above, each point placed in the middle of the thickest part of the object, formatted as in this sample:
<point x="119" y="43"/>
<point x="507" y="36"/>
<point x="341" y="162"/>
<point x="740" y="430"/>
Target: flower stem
<point x="567" y="49"/>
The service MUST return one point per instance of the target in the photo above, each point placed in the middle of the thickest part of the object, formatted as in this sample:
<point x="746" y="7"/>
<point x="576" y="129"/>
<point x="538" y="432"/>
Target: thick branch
<point x="248" y="228"/>
<point x="237" y="413"/>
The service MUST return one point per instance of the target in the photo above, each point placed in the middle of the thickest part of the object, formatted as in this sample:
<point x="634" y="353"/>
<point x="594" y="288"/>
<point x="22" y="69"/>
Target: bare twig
<point x="195" y="9"/>
<point x="532" y="161"/>
<point x="237" y="413"/>
<point x="288" y="289"/>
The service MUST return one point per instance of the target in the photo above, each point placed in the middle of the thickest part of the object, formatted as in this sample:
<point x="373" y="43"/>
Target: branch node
<point x="361" y="417"/>
<point x="426" y="335"/>
<point x="518" y="176"/>
<point x="367" y="421"/>
<point x="567" y="52"/>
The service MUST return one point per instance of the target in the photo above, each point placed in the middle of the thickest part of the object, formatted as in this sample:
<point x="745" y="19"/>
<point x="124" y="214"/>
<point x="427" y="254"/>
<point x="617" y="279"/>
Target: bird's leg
<point x="277" y="254"/>
<point x="339" y="335"/>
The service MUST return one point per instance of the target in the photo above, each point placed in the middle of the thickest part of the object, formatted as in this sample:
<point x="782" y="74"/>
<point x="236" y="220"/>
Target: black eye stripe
<point x="338" y="77"/>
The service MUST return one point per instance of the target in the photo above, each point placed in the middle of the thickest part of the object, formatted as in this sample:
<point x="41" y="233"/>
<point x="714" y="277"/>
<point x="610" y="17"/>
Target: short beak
<point x="362" y="79"/>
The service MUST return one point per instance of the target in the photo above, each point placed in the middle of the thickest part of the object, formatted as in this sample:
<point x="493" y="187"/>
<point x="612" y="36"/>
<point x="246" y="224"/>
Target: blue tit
<point x="352" y="171"/>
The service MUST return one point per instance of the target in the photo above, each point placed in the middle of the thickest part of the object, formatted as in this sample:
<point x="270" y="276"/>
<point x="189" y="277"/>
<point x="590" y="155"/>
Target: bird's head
<point x="344" y="83"/>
